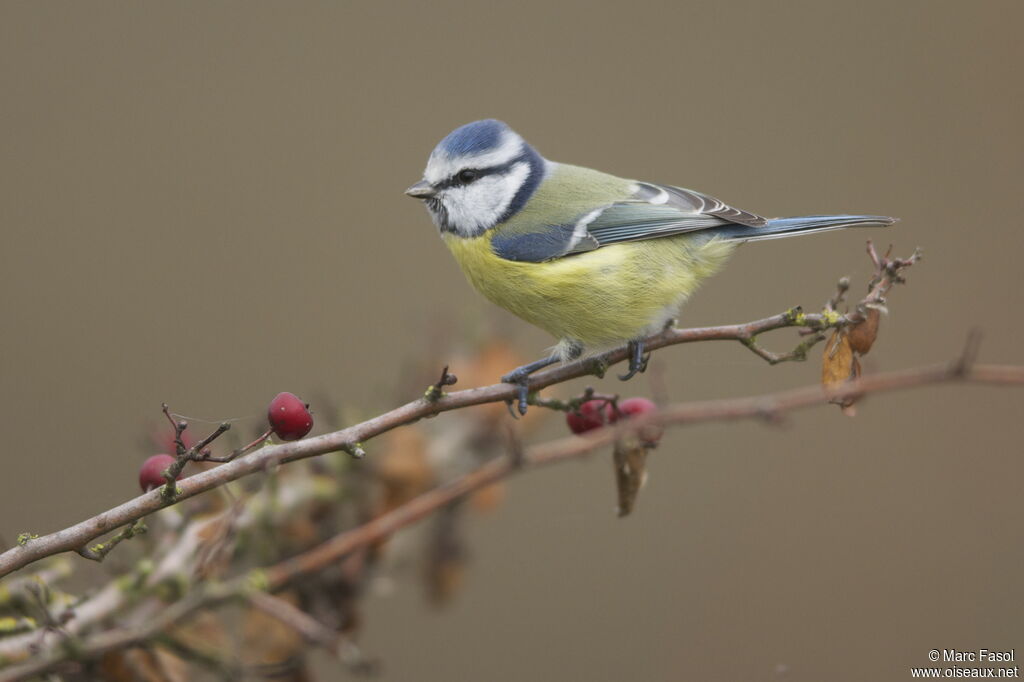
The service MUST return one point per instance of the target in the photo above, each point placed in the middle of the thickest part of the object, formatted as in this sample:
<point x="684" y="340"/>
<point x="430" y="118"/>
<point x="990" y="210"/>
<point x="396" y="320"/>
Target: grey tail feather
<point x="779" y="228"/>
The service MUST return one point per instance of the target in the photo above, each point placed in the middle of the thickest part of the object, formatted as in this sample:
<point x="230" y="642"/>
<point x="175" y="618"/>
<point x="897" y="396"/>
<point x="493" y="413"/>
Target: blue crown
<point x="473" y="138"/>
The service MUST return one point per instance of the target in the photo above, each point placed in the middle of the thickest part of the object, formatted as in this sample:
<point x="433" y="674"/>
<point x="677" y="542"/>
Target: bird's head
<point x="480" y="175"/>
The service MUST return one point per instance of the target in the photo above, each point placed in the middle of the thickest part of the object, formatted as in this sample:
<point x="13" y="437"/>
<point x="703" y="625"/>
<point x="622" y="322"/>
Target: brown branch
<point x="798" y="353"/>
<point x="74" y="538"/>
<point x="758" y="407"/>
<point x="348" y="439"/>
<point x="311" y="629"/>
<point x="283" y="573"/>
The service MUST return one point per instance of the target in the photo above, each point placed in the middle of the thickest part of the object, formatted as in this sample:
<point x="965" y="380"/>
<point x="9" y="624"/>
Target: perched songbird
<point x="595" y="260"/>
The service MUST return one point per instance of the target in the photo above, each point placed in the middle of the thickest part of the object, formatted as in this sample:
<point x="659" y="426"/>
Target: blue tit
<point x="593" y="259"/>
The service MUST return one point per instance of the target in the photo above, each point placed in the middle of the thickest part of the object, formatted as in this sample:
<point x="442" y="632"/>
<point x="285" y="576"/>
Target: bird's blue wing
<point x="653" y="211"/>
<point x="662" y="211"/>
<point x="546" y="243"/>
<point x="690" y="201"/>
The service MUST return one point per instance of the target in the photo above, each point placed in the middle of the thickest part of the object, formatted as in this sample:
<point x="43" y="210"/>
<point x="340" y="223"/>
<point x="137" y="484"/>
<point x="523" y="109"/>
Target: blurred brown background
<point x="202" y="204"/>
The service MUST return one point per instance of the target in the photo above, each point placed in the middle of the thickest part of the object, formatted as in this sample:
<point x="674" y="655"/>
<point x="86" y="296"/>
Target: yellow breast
<point x="600" y="298"/>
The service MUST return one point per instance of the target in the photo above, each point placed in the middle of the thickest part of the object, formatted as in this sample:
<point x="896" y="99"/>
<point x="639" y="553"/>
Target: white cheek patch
<point x="477" y="207"/>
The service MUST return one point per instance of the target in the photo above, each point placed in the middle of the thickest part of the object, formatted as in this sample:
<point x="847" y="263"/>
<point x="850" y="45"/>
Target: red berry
<point x="289" y="417"/>
<point x="151" y="474"/>
<point x="634" y="407"/>
<point x="592" y="414"/>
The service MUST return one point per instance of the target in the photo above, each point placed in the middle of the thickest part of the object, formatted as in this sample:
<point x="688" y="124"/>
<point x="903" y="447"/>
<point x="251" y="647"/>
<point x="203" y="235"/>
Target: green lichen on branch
<point x="830" y="317"/>
<point x="795" y="316"/>
<point x="12" y="625"/>
<point x="25" y="538"/>
<point x="169" y="492"/>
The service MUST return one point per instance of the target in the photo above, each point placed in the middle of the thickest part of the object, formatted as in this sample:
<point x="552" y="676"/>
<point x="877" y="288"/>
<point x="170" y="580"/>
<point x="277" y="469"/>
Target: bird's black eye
<point x="467" y="176"/>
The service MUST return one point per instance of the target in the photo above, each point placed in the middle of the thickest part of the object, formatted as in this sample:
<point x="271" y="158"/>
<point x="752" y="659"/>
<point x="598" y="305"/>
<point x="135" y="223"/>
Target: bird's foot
<point x="637" y="360"/>
<point x="520" y="378"/>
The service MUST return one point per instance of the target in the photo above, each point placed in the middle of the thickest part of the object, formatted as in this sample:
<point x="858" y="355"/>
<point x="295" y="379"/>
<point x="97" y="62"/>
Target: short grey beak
<point x="421" y="190"/>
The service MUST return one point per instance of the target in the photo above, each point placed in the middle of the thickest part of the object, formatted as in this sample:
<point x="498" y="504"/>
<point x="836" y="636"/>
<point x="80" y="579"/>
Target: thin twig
<point x="201" y="445"/>
<point x="436" y="390"/>
<point x="100" y="551"/>
<point x="178" y="427"/>
<point x="207" y="457"/>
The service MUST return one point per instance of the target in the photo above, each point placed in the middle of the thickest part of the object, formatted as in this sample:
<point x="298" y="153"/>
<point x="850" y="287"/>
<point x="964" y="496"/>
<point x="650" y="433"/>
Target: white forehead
<point x="443" y="164"/>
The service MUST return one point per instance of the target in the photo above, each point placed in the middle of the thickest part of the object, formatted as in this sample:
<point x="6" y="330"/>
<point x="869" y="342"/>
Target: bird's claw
<point x="637" y="360"/>
<point x="522" y="395"/>
<point x="633" y="371"/>
<point x="521" y="380"/>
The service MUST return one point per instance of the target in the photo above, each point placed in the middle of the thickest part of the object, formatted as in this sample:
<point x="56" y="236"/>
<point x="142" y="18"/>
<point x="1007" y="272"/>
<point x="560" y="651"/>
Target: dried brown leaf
<point x="630" y="460"/>
<point x="403" y="468"/>
<point x="862" y="335"/>
<point x="837" y="360"/>
<point x="839" y="366"/>
<point x="203" y="632"/>
<point x="154" y="664"/>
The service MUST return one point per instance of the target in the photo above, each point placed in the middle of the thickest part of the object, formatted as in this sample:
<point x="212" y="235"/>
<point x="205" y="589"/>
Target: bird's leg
<point x="637" y="359"/>
<point x="520" y="376"/>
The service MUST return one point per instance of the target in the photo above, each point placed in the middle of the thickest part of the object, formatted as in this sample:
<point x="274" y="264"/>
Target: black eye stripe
<point x="454" y="180"/>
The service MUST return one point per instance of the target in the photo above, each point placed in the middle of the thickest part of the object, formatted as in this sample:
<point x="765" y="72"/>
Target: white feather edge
<point x="579" y="231"/>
